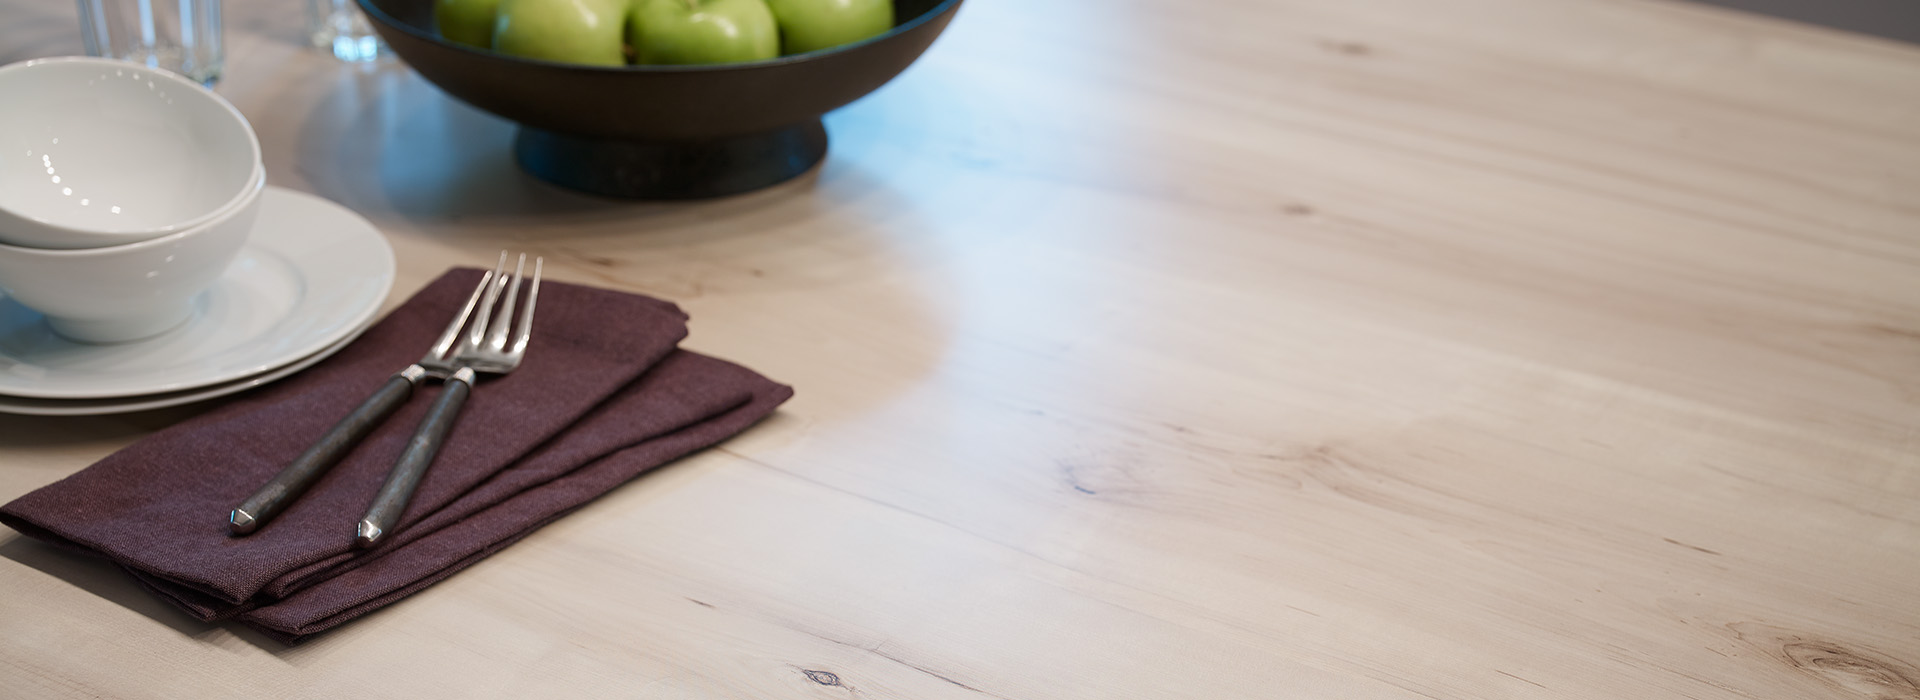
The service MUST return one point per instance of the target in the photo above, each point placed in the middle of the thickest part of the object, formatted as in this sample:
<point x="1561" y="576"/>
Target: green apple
<point x="468" y="22"/>
<point x="667" y="32"/>
<point x="811" y="25"/>
<point x="567" y="31"/>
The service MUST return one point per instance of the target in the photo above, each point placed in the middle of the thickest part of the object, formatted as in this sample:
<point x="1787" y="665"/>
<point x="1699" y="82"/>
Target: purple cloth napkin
<point x="603" y="396"/>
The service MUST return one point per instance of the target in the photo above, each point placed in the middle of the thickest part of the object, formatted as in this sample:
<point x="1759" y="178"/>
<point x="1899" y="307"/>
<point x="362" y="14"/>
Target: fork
<point x="492" y="346"/>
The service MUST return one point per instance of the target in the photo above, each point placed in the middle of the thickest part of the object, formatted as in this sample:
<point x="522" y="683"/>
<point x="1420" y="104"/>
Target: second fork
<point x="486" y="349"/>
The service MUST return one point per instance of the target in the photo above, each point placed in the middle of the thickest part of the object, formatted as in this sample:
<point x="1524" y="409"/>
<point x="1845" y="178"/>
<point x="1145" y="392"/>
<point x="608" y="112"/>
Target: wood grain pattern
<point x="1396" y="349"/>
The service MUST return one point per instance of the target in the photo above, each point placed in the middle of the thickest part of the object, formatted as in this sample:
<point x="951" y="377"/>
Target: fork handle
<point x="392" y="500"/>
<point x="294" y="479"/>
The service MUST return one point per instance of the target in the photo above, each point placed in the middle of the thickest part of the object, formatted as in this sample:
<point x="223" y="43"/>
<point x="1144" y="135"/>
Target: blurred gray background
<point x="1893" y="19"/>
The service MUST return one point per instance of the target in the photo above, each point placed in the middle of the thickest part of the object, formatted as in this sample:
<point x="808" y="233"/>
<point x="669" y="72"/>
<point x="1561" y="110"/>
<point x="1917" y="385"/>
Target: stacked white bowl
<point x="125" y="191"/>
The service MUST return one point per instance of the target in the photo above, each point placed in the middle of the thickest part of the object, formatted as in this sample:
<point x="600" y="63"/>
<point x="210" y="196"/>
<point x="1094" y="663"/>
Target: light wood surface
<point x="1157" y="349"/>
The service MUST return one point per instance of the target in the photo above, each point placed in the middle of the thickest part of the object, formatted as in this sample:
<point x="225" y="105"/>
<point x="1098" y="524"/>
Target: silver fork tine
<point x="526" y="315"/>
<point x="486" y="305"/>
<point x="445" y="343"/>
<point x="497" y="336"/>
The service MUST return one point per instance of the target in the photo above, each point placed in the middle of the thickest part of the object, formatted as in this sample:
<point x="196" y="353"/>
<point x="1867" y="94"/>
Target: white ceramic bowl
<point x="96" y="152"/>
<point x="132" y="291"/>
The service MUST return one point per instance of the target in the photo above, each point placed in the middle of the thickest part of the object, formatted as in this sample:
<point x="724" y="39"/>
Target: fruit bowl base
<point x="677" y="169"/>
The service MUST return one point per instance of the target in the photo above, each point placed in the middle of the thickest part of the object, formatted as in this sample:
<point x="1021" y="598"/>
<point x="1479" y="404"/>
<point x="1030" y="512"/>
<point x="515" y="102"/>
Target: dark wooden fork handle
<point x="293" y="480"/>
<point x="385" y="511"/>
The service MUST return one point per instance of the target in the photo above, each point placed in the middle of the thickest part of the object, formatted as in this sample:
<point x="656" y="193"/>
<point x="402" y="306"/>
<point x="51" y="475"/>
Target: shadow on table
<point x="388" y="141"/>
<point x="101" y="578"/>
<point x="391" y="145"/>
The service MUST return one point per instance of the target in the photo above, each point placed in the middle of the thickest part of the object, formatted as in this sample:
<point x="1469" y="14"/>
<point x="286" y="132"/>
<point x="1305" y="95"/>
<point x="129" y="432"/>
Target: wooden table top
<point x="1387" y="349"/>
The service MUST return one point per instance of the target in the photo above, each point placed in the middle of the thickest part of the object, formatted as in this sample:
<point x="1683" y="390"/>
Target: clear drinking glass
<point x="182" y="36"/>
<point x="339" y="27"/>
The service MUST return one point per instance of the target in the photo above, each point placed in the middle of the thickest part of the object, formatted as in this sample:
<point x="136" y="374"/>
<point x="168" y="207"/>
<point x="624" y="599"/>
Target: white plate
<point x="98" y="407"/>
<point x="312" y="275"/>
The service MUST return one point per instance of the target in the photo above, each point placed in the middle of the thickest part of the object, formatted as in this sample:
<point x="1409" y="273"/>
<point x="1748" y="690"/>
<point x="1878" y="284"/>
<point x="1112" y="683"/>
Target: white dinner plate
<point x="99" y="407"/>
<point x="312" y="275"/>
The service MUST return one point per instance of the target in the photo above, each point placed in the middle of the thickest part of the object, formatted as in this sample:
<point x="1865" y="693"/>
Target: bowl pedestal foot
<point x="689" y="169"/>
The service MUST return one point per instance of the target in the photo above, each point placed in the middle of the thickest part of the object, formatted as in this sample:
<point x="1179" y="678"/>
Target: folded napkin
<point x="603" y="395"/>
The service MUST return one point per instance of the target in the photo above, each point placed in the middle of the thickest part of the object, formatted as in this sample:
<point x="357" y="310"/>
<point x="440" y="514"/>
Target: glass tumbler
<point x="340" y="28"/>
<point x="182" y="36"/>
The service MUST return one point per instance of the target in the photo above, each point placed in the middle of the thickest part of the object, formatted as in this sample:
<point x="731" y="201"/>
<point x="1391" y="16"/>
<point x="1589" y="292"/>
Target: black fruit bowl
<point x="662" y="132"/>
